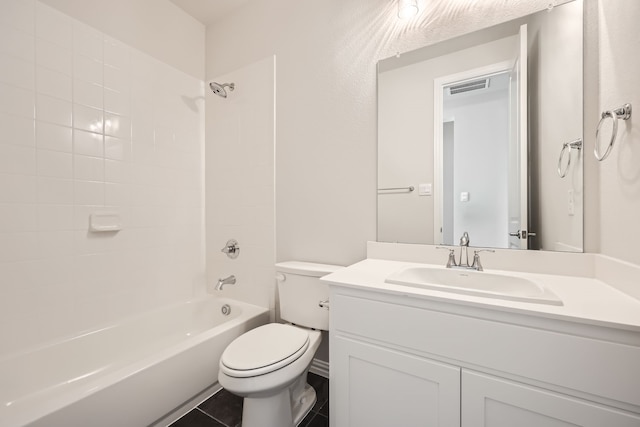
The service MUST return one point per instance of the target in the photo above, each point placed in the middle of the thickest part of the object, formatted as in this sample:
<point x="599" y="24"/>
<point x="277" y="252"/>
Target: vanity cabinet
<point x="403" y="361"/>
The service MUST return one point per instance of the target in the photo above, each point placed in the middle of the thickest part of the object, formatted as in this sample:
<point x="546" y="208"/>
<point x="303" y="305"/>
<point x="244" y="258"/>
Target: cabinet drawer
<point x="606" y="369"/>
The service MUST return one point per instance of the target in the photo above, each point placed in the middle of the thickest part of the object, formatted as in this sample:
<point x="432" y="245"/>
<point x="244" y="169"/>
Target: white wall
<point x="240" y="182"/>
<point x="157" y="27"/>
<point x="620" y="173"/>
<point x="89" y="124"/>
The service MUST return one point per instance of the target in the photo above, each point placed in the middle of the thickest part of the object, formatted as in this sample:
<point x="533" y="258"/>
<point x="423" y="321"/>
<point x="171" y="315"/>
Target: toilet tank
<point x="300" y="292"/>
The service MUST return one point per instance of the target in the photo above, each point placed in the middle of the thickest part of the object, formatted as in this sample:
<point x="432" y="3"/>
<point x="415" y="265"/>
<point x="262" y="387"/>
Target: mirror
<point x="482" y="133"/>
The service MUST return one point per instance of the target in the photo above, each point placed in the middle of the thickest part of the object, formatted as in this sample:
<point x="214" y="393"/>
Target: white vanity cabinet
<point x="397" y="360"/>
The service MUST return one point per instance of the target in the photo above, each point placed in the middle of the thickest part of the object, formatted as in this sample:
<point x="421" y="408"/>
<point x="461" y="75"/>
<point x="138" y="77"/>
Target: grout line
<point x="210" y="416"/>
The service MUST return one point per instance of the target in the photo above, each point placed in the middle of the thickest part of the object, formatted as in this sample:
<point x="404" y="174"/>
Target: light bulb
<point x="407" y="8"/>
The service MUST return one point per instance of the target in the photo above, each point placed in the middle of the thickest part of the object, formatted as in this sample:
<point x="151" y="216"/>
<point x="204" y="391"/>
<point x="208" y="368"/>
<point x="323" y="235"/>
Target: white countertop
<point x="585" y="300"/>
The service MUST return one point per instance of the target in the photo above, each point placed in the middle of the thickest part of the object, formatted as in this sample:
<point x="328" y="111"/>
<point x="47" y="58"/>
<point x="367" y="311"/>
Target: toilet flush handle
<point x="324" y="304"/>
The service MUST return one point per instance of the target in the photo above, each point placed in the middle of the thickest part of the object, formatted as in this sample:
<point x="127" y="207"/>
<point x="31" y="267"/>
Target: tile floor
<point x="223" y="409"/>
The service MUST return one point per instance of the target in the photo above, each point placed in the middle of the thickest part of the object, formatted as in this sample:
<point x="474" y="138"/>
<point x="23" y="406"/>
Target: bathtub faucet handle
<point x="231" y="280"/>
<point x="232" y="249"/>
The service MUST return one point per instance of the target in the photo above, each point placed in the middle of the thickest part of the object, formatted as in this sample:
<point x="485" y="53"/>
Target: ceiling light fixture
<point x="407" y="8"/>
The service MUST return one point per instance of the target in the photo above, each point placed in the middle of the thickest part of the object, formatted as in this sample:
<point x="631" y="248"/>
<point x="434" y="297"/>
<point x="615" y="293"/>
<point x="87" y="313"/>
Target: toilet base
<point x="278" y="410"/>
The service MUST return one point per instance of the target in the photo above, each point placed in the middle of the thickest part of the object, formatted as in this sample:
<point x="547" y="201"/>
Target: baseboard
<point x="320" y="367"/>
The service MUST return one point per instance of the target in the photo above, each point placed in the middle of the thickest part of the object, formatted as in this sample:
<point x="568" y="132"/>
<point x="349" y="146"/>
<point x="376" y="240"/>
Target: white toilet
<point x="268" y="365"/>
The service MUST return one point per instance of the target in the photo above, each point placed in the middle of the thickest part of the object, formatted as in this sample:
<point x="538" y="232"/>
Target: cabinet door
<point x="376" y="386"/>
<point x="492" y="402"/>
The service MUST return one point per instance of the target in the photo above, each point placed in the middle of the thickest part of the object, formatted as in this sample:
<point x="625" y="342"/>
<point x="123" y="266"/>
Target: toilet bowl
<point x="268" y="366"/>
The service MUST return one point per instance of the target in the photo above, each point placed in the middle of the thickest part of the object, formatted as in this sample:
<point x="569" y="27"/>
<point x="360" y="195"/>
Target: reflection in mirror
<point x="469" y="134"/>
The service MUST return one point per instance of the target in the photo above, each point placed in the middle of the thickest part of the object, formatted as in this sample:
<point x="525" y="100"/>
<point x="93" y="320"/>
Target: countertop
<point x="585" y="300"/>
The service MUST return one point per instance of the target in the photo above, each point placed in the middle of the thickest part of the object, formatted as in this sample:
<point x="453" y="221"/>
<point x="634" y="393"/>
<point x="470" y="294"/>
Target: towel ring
<point x="566" y="148"/>
<point x="623" y="113"/>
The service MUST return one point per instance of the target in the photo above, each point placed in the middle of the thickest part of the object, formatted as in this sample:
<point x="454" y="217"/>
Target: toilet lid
<point x="264" y="349"/>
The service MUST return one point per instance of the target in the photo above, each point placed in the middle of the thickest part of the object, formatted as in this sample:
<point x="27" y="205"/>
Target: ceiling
<point x="209" y="11"/>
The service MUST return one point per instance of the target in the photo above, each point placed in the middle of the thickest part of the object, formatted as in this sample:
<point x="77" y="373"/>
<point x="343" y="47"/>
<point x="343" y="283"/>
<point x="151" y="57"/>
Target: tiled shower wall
<point x="87" y="125"/>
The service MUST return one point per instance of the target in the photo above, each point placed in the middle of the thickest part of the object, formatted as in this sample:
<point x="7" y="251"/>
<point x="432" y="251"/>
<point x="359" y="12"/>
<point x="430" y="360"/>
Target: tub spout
<point x="231" y="280"/>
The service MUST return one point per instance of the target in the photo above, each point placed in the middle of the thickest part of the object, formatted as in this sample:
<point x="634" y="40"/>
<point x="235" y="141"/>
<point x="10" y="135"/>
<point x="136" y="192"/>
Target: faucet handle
<point x="231" y="248"/>
<point x="476" y="252"/>
<point x="476" y="258"/>
<point x="451" y="262"/>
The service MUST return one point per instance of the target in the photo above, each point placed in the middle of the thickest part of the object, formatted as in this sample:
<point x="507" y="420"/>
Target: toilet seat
<point x="263" y="350"/>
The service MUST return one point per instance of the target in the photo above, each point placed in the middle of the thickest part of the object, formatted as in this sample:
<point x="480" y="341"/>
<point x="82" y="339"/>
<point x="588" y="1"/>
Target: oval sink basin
<point x="469" y="282"/>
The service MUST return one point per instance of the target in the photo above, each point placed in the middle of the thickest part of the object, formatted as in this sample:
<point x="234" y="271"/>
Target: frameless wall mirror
<point x="471" y="134"/>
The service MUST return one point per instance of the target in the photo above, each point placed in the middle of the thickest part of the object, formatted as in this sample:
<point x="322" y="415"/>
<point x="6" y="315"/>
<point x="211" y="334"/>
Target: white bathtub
<point x="129" y="374"/>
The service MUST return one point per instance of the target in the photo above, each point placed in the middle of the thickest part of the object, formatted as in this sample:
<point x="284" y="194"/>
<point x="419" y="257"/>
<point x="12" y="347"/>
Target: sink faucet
<point x="231" y="280"/>
<point x="464" y="247"/>
<point x="464" y="243"/>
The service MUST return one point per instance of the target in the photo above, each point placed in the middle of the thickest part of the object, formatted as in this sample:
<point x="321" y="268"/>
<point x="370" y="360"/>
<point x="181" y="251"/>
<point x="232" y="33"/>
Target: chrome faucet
<point x="231" y="280"/>
<point x="464" y="247"/>
<point x="464" y="243"/>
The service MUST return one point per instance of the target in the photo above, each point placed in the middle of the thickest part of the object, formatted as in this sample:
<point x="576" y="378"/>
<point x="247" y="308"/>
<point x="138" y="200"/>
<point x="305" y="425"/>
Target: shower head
<point x="219" y="89"/>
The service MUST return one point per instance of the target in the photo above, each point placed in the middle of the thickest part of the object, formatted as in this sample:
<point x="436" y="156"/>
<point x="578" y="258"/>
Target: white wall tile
<point x="87" y="168"/>
<point x="88" y="94"/>
<point x="55" y="244"/>
<point x="18" y="189"/>
<point x="87" y="118"/>
<point x="88" y="143"/>
<point x="87" y="69"/>
<point x="55" y="191"/>
<point x="55" y="164"/>
<point x="17" y="217"/>
<point x="15" y="100"/>
<point x="117" y="149"/>
<point x="17" y="159"/>
<point x="53" y="110"/>
<point x="117" y="171"/>
<point x="88" y="193"/>
<point x="53" y="83"/>
<point x="54" y="57"/>
<point x="116" y="54"/>
<point x="16" y="43"/>
<point x="53" y="137"/>
<point x="18" y="14"/>
<point x="118" y="79"/>
<point x="117" y="194"/>
<point x="54" y="217"/>
<point x="17" y="72"/>
<point x="17" y="130"/>
<point x="117" y="102"/>
<point x="18" y="246"/>
<point x="118" y="126"/>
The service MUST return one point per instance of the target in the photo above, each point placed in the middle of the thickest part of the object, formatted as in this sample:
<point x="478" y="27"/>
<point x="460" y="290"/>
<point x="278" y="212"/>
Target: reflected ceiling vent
<point x="469" y="86"/>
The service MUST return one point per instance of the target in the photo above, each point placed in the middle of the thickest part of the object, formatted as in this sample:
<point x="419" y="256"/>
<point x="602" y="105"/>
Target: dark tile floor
<point x="224" y="409"/>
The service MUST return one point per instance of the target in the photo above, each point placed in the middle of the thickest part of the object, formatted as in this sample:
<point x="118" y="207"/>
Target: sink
<point x="469" y="282"/>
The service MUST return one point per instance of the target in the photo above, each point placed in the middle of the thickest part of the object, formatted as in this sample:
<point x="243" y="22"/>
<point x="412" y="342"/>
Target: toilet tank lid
<point x="306" y="268"/>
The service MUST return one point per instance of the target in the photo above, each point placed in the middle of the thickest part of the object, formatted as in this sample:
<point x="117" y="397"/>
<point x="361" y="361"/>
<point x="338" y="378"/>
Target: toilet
<point x="268" y="365"/>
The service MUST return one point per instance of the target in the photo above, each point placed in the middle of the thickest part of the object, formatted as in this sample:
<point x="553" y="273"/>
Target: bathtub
<point x="133" y="373"/>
